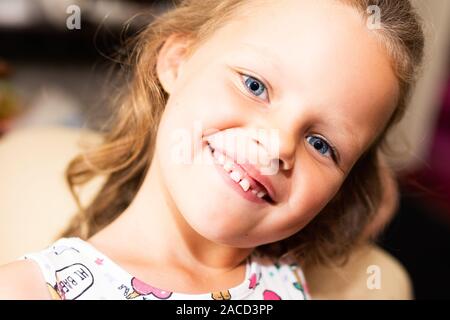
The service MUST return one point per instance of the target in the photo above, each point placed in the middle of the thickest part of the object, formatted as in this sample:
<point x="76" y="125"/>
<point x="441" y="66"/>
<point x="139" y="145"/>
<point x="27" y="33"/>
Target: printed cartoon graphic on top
<point x="142" y="289"/>
<point x="73" y="280"/>
<point x="270" y="295"/>
<point x="299" y="284"/>
<point x="221" y="295"/>
<point x="54" y="292"/>
<point x="59" y="249"/>
<point x="253" y="281"/>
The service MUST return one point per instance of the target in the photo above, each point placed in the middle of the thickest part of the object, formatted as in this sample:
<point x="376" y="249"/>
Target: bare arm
<point x="22" y="280"/>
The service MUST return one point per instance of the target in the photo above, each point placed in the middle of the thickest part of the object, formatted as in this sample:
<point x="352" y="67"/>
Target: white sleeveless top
<point x="74" y="269"/>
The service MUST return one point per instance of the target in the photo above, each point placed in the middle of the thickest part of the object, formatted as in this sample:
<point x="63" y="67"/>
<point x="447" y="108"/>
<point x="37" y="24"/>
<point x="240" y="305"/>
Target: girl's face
<point x="309" y="74"/>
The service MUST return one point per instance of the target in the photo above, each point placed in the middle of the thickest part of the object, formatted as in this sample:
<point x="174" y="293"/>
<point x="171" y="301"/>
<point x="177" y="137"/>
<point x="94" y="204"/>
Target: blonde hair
<point x="128" y="146"/>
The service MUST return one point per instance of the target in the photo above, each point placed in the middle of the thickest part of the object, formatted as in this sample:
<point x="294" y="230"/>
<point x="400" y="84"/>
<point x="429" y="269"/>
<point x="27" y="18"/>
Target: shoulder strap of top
<point x="57" y="260"/>
<point x="289" y="268"/>
<point x="301" y="283"/>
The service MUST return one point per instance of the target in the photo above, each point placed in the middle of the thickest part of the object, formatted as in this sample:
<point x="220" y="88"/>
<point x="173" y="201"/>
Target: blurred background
<point x="54" y="74"/>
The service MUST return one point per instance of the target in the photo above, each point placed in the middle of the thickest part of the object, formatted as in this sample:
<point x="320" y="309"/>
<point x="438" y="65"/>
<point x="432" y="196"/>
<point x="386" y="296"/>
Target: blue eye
<point x="320" y="145"/>
<point x="255" y="86"/>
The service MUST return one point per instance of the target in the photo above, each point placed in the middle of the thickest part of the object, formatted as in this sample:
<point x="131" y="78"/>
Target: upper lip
<point x="253" y="172"/>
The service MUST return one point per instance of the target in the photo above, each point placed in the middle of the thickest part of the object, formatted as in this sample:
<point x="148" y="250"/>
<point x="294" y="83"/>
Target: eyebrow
<point x="267" y="58"/>
<point x="265" y="53"/>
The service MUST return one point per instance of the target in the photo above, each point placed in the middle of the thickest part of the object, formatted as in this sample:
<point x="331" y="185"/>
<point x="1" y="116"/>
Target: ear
<point x="170" y="59"/>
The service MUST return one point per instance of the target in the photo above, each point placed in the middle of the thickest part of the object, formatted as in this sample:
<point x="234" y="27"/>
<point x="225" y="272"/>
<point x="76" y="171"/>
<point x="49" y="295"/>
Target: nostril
<point x="281" y="164"/>
<point x="284" y="165"/>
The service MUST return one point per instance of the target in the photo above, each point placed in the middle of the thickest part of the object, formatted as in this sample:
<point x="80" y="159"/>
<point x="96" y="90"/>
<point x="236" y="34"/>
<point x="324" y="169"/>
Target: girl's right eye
<point x="322" y="147"/>
<point x="255" y="86"/>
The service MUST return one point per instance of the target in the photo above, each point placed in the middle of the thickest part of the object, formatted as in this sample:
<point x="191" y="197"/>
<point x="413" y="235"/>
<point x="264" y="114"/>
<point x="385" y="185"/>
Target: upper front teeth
<point x="236" y="175"/>
<point x="244" y="184"/>
<point x="228" y="166"/>
<point x="221" y="159"/>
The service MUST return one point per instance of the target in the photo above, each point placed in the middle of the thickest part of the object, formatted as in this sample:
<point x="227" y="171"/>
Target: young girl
<point x="308" y="88"/>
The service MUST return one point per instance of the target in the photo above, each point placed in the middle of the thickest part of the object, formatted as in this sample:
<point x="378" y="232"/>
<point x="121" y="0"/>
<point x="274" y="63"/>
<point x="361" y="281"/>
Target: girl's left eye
<point x="255" y="86"/>
<point x="321" y="146"/>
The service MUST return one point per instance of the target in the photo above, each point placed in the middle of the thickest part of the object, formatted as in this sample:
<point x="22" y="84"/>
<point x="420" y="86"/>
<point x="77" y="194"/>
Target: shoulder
<point x="370" y="273"/>
<point x="395" y="280"/>
<point x="22" y="280"/>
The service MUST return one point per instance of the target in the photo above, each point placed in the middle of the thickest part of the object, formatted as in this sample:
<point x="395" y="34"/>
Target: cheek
<point x="203" y="103"/>
<point x="212" y="99"/>
<point x="311" y="190"/>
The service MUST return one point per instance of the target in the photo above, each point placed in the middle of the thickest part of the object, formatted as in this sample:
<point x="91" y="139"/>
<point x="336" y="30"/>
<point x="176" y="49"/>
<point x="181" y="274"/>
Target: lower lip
<point x="248" y="195"/>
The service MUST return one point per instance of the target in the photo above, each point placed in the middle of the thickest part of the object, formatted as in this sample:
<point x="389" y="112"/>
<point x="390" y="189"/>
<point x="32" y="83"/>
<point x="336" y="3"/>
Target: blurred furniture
<point x="9" y="102"/>
<point x="35" y="202"/>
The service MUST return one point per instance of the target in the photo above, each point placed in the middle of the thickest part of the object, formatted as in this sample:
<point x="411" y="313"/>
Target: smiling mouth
<point x="239" y="176"/>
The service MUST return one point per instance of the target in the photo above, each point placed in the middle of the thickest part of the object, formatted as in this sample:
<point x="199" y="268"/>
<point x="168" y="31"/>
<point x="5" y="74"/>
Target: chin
<point x="207" y="205"/>
<point x="217" y="225"/>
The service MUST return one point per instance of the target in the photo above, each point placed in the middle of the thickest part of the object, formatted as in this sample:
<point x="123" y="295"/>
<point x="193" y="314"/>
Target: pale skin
<point x="335" y="83"/>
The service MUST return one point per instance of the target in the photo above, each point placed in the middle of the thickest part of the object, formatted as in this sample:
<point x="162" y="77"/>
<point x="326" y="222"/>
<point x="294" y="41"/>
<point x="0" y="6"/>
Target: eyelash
<point x="255" y="79"/>
<point x="331" y="148"/>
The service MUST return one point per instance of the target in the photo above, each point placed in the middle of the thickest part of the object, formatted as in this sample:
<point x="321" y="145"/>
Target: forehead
<point x="319" y="53"/>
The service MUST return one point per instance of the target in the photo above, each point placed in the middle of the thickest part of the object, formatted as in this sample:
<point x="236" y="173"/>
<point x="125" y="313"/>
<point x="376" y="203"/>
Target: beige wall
<point x="35" y="202"/>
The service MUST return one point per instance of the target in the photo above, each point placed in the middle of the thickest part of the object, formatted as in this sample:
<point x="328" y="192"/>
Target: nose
<point x="280" y="145"/>
<point x="287" y="149"/>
